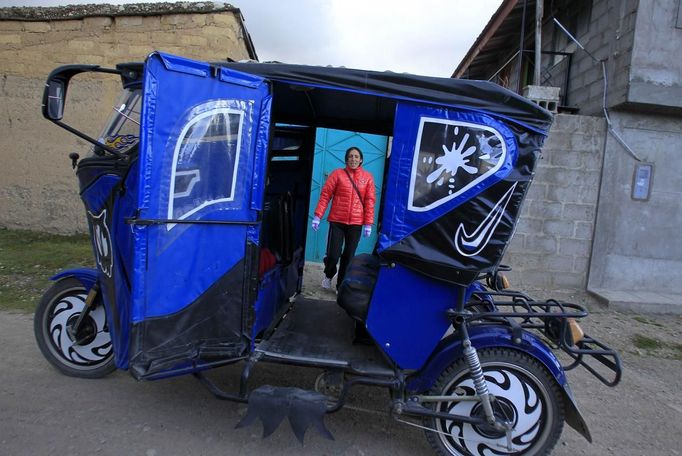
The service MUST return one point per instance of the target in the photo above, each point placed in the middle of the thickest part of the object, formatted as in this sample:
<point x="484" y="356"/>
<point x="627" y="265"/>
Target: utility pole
<point x="538" y="40"/>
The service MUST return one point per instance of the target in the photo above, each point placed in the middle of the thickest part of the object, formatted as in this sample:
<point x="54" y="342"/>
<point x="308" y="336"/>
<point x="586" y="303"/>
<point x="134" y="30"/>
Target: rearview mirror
<point x="56" y="97"/>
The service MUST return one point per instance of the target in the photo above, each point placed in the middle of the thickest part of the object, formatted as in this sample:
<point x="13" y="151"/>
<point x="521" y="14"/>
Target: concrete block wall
<point x="609" y="36"/>
<point x="38" y="189"/>
<point x="551" y="249"/>
<point x="639" y="42"/>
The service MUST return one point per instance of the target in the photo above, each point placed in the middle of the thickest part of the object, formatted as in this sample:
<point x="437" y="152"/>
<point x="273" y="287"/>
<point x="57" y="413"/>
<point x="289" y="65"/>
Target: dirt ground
<point x="43" y="412"/>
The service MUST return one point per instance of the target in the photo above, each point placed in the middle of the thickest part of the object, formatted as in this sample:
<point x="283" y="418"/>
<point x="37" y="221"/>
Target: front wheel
<point x="87" y="355"/>
<point x="525" y="395"/>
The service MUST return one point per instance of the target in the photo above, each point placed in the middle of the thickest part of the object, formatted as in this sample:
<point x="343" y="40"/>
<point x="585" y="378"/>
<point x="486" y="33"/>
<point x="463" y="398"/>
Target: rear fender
<point x="450" y="349"/>
<point x="86" y="276"/>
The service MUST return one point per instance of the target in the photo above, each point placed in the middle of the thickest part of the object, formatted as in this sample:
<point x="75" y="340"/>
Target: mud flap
<point x="271" y="404"/>
<point x="573" y="416"/>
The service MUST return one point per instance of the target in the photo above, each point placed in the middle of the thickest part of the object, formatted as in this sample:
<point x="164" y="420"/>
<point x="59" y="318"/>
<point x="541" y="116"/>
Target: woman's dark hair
<point x="362" y="158"/>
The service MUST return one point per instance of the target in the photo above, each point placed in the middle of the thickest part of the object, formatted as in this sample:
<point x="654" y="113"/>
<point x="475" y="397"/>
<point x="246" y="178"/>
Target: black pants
<point x="340" y="235"/>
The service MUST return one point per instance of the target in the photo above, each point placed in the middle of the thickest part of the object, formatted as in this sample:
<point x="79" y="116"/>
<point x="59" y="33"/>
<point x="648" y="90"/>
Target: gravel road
<point x="43" y="412"/>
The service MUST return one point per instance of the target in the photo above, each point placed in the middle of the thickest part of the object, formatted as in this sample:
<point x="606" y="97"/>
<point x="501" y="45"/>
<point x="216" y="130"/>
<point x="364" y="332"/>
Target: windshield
<point x="122" y="130"/>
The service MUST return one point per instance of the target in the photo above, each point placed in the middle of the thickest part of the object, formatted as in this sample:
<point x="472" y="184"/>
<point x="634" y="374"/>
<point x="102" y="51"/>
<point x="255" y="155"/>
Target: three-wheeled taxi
<point x="197" y="195"/>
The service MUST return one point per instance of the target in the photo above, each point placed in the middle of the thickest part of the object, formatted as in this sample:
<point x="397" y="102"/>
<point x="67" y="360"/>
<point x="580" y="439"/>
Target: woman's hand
<point x="316" y="223"/>
<point x="366" y="230"/>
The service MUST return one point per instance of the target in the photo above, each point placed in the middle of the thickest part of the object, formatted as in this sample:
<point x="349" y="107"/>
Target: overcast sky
<point x="428" y="37"/>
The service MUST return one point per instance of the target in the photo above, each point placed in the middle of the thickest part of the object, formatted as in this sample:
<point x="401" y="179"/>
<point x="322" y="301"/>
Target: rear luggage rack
<point x="554" y="320"/>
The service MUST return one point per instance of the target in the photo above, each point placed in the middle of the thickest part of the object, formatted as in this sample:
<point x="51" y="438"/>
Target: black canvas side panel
<point x="466" y="241"/>
<point x="208" y="330"/>
<point x="472" y="238"/>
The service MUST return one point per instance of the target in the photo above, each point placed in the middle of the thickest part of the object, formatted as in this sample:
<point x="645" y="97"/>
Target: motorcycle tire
<point x="59" y="307"/>
<point x="526" y="394"/>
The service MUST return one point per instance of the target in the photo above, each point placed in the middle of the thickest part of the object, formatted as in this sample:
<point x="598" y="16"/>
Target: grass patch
<point x="646" y="321"/>
<point x="658" y="348"/>
<point x="677" y="351"/>
<point x="28" y="259"/>
<point x="646" y="343"/>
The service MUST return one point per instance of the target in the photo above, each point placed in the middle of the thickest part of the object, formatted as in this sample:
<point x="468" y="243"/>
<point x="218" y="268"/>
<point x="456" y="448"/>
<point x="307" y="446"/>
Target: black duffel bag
<point x="356" y="289"/>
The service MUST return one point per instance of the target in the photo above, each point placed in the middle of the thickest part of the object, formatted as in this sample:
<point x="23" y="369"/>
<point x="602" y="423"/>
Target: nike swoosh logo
<point x="472" y="244"/>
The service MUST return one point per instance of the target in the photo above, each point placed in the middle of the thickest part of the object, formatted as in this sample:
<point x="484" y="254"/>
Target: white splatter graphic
<point x="453" y="159"/>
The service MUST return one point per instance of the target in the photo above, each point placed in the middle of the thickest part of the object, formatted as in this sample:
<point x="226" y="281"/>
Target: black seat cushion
<point x="356" y="289"/>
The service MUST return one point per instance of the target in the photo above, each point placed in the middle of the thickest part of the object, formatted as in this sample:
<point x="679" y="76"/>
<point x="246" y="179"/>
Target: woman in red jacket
<point x="351" y="191"/>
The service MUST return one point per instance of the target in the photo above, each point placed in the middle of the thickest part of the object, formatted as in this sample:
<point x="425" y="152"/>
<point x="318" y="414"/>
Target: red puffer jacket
<point x="347" y="207"/>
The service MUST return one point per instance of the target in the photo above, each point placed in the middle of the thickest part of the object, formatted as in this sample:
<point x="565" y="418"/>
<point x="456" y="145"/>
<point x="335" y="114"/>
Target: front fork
<point x="74" y="330"/>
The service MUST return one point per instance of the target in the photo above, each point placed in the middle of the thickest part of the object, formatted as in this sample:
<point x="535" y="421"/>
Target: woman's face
<point x="354" y="159"/>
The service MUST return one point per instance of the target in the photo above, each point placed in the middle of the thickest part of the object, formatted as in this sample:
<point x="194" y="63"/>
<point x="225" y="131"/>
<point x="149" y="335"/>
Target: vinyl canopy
<point x="365" y="100"/>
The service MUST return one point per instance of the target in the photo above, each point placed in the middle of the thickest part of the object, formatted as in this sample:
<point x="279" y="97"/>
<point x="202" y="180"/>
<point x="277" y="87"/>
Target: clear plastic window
<point x="122" y="130"/>
<point x="450" y="158"/>
<point x="205" y="162"/>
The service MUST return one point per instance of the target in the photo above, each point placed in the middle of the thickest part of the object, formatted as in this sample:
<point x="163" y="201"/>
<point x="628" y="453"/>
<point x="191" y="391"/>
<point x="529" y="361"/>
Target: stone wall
<point x="38" y="190"/>
<point x="550" y="252"/>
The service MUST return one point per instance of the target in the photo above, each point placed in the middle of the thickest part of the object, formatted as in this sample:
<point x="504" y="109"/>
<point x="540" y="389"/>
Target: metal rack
<point x="550" y="318"/>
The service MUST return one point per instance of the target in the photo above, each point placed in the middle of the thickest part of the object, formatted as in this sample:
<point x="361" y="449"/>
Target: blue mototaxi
<point x="204" y="171"/>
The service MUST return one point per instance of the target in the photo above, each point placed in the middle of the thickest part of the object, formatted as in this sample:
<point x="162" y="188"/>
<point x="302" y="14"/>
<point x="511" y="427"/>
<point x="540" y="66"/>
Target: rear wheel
<point x="87" y="354"/>
<point x="526" y="395"/>
<point x="330" y="383"/>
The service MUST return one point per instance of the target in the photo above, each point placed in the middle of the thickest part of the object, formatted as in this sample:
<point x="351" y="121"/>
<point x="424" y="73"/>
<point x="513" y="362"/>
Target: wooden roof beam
<point x="495" y="21"/>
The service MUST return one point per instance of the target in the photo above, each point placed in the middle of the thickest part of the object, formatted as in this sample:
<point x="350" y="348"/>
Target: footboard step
<point x="272" y="403"/>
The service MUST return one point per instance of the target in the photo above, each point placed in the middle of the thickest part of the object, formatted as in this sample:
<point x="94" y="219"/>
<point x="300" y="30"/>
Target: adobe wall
<point x="38" y="189"/>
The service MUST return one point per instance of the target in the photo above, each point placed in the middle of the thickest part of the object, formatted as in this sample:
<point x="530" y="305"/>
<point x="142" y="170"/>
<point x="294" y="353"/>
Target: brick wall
<point x="38" y="190"/>
<point x="551" y="249"/>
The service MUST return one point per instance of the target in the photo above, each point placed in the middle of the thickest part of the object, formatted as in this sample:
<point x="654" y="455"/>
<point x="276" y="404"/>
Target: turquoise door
<point x="330" y="148"/>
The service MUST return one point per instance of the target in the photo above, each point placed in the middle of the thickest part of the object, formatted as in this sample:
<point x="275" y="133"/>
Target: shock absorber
<point x="473" y="361"/>
<point x="480" y="384"/>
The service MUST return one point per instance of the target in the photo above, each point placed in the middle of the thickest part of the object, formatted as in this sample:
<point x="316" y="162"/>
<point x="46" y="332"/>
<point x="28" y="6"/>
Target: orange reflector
<point x="577" y="333"/>
<point x="504" y="282"/>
